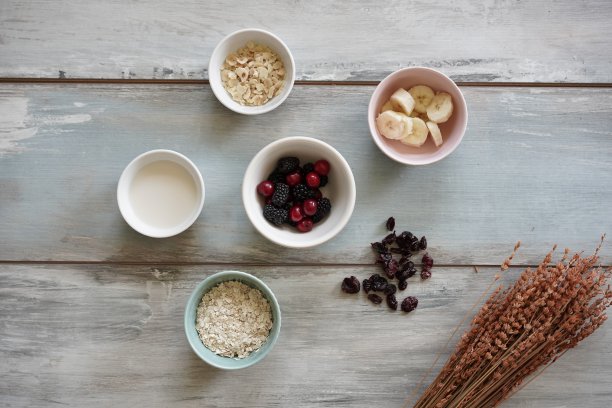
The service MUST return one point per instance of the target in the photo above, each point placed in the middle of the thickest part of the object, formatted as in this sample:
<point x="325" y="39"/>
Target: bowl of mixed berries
<point x="298" y="192"/>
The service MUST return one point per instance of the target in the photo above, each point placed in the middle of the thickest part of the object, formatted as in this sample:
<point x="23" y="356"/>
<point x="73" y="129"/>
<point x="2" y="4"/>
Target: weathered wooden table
<point x="91" y="311"/>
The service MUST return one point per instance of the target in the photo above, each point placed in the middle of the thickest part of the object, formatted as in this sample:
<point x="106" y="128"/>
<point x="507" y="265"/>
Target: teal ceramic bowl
<point x="226" y="363"/>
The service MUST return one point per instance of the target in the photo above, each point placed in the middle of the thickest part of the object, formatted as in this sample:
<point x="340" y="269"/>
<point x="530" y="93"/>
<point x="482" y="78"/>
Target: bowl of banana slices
<point x="417" y="116"/>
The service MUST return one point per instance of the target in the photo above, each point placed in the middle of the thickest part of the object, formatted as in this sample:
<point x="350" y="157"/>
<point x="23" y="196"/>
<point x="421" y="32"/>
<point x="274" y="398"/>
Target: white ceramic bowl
<point x="340" y="190"/>
<point x="452" y="130"/>
<point x="168" y="176"/>
<point x="232" y="43"/>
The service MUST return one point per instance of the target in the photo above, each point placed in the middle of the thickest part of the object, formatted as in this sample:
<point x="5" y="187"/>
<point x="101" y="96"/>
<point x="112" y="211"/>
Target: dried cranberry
<point x="402" y="274"/>
<point x="425" y="273"/>
<point x="423" y="243"/>
<point x="392" y="302"/>
<point x="367" y="285"/>
<point x="409" y="304"/>
<point x="351" y="285"/>
<point x="379" y="286"/>
<point x="391" y="268"/>
<point x="389" y="239"/>
<point x="414" y="245"/>
<point x="427" y="260"/>
<point x="374" y="298"/>
<point x="411" y="272"/>
<point x="390" y="289"/>
<point x="379" y="247"/>
<point x="402" y="251"/>
<point x="403" y="284"/>
<point x="384" y="258"/>
<point x="391" y="224"/>
<point x="404" y="239"/>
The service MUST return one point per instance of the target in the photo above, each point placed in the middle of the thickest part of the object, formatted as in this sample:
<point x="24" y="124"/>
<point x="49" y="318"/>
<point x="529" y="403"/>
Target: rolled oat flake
<point x="233" y="319"/>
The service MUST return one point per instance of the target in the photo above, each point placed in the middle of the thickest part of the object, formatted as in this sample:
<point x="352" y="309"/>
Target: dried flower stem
<point x="522" y="329"/>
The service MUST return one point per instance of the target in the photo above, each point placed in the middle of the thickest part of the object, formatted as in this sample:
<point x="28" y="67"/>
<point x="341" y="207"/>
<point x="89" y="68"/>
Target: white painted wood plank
<point x="534" y="165"/>
<point x="491" y="40"/>
<point x="113" y="336"/>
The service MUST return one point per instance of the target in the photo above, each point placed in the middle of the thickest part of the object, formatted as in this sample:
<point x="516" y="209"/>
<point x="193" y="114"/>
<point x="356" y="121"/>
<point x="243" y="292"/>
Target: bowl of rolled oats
<point x="232" y="320"/>
<point x="251" y="71"/>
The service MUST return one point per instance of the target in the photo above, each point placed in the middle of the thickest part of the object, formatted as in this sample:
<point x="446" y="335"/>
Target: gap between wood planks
<point x="299" y="82"/>
<point x="250" y="264"/>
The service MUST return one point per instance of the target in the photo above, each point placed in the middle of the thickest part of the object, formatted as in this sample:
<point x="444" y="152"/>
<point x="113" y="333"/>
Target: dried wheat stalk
<point x="521" y="329"/>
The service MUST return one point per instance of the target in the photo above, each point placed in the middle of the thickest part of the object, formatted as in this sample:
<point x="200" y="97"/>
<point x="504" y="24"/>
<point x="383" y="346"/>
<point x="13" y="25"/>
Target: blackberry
<point x="307" y="168"/>
<point x="287" y="164"/>
<point x="276" y="177"/>
<point x="323" y="180"/>
<point x="276" y="216"/>
<point x="281" y="194"/>
<point x="323" y="208"/>
<point x="301" y="192"/>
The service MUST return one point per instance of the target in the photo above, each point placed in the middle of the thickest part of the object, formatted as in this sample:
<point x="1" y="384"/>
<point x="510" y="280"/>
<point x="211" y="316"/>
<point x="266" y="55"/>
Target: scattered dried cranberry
<point x="403" y="284"/>
<point x="384" y="258"/>
<point x="379" y="247"/>
<point x="391" y="224"/>
<point x="409" y="304"/>
<point x="425" y="274"/>
<point x="379" y="285"/>
<point x="390" y="289"/>
<point x="266" y="188"/>
<point x="391" y="268"/>
<point x="427" y="260"/>
<point x="367" y="285"/>
<point x="402" y="274"/>
<point x="351" y="285"/>
<point x="404" y="239"/>
<point x="374" y="298"/>
<point x="423" y="243"/>
<point x="389" y="239"/>
<point x="392" y="302"/>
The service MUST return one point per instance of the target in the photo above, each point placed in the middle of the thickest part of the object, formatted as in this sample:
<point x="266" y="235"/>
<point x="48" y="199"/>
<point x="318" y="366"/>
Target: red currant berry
<point x="296" y="213"/>
<point x="293" y="179"/>
<point x="322" y="167"/>
<point x="265" y="188"/>
<point x="313" y="180"/>
<point x="304" y="225"/>
<point x="310" y="206"/>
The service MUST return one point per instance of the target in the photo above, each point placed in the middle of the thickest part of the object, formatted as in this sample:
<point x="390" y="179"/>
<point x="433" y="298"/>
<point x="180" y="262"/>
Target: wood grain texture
<point x="534" y="165"/>
<point x="101" y="335"/>
<point x="491" y="40"/>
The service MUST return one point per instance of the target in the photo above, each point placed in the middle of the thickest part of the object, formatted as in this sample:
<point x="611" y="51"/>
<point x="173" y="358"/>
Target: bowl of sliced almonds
<point x="251" y="71"/>
<point x="417" y="116"/>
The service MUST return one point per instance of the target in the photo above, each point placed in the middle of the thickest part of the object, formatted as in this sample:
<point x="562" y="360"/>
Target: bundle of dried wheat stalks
<point x="522" y="329"/>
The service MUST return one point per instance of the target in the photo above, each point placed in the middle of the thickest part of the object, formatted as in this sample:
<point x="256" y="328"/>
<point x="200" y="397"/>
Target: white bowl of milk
<point x="160" y="193"/>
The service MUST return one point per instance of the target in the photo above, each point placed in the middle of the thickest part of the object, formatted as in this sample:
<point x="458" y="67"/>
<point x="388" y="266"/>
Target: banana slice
<point x="401" y="100"/>
<point x="387" y="106"/>
<point x="436" y="135"/>
<point x="440" y="108"/>
<point x="393" y="125"/>
<point x="418" y="136"/>
<point x="422" y="95"/>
